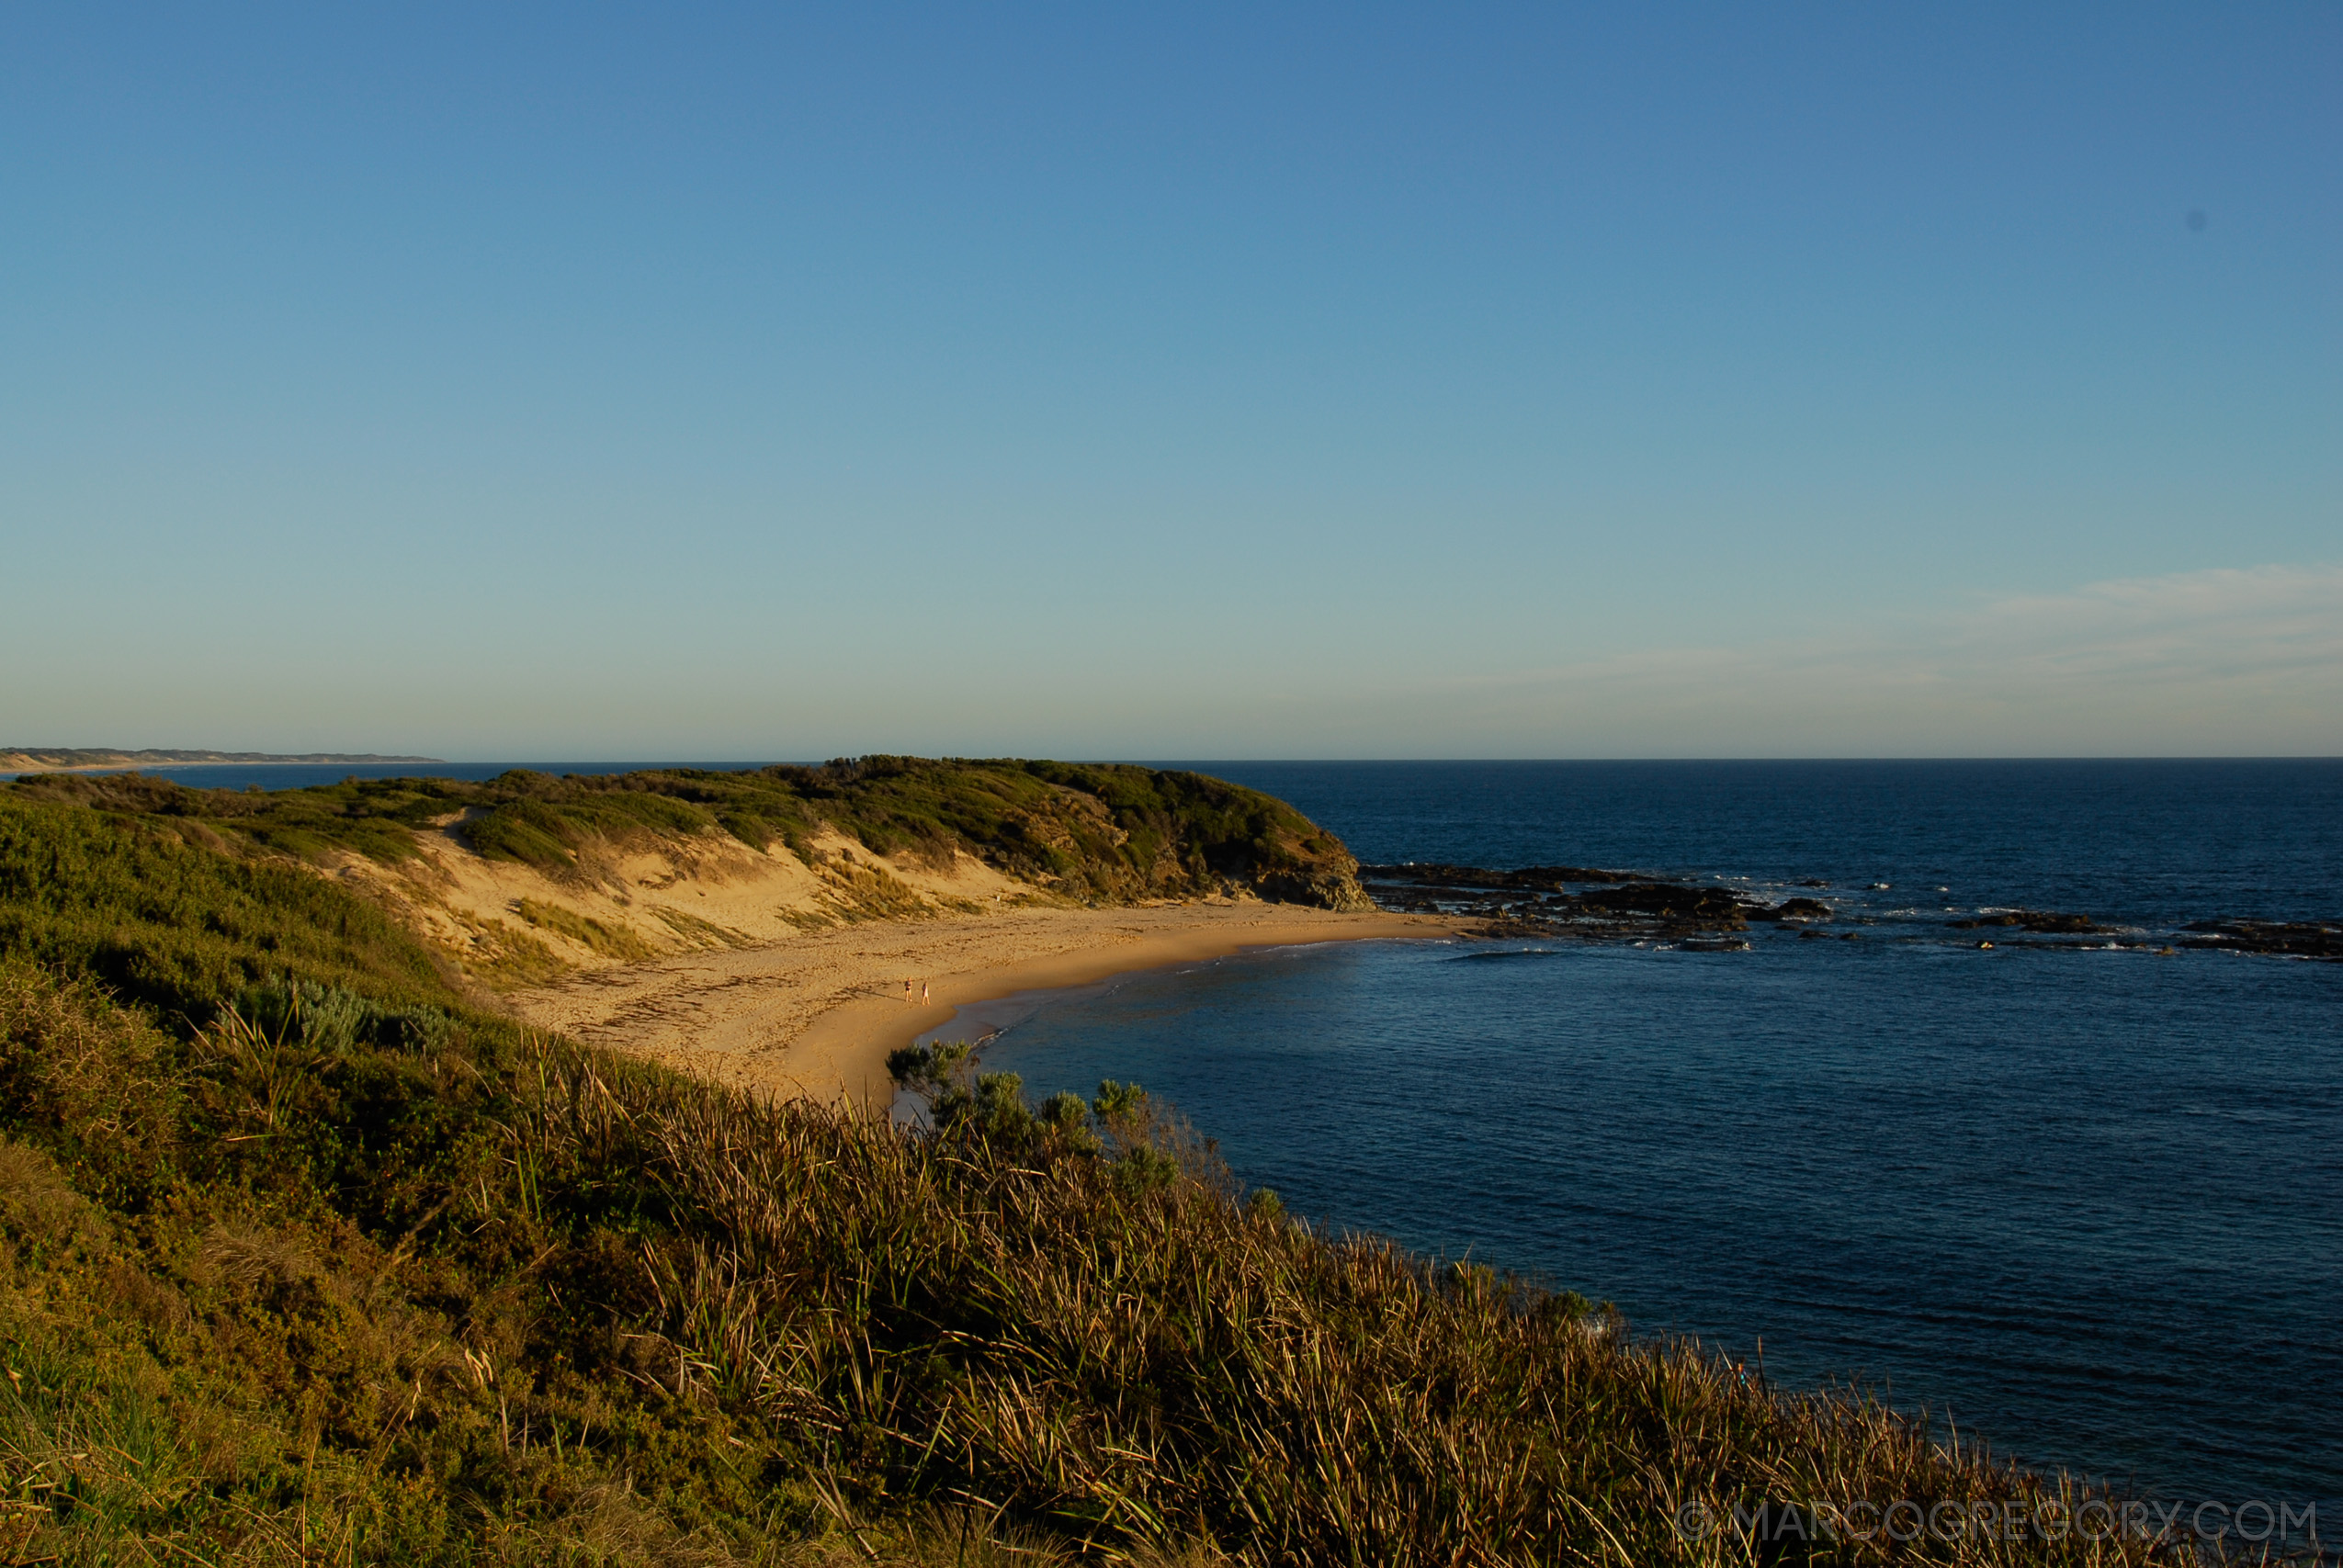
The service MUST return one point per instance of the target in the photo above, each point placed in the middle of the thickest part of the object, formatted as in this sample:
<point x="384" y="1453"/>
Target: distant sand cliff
<point x="69" y="758"/>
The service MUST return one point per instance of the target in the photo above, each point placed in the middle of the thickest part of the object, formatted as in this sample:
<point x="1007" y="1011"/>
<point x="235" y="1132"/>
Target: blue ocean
<point x="2083" y="1200"/>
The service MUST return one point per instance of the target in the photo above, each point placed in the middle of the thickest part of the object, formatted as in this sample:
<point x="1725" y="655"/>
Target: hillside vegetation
<point x="1101" y="831"/>
<point x="177" y="927"/>
<point x="301" y="1261"/>
<point x="515" y="881"/>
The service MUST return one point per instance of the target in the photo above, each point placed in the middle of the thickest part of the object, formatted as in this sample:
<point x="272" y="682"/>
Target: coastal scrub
<point x="1088" y="832"/>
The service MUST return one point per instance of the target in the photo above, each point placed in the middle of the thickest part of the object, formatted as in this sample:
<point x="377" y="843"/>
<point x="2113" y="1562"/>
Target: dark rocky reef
<point x="1539" y="900"/>
<point x="1669" y="903"/>
<point x="2300" y="939"/>
<point x="1792" y="910"/>
<point x="1587" y="904"/>
<point x="1458" y="878"/>
<point x="2028" y="920"/>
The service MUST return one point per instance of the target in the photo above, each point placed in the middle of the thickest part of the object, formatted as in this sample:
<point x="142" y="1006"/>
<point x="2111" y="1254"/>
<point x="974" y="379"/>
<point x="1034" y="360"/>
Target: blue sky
<point x="504" y="382"/>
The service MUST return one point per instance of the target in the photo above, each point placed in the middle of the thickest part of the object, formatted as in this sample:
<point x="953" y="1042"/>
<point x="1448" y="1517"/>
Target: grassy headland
<point x="302" y="1259"/>
<point x="516" y="880"/>
<point x="1103" y="831"/>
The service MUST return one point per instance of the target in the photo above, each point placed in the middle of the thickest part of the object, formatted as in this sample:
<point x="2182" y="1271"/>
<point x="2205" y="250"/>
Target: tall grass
<point x="1024" y="1331"/>
<point x="414" y="1290"/>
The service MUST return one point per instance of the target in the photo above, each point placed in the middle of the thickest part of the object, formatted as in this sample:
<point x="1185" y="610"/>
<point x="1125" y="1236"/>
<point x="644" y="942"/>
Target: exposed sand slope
<point x="510" y="924"/>
<point x="760" y="970"/>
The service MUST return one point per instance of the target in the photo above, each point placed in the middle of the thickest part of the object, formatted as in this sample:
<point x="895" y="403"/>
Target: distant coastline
<point x="81" y="760"/>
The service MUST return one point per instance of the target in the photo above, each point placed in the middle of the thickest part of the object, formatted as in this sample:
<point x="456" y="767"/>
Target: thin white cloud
<point x="2240" y="662"/>
<point x="2198" y="627"/>
<point x="2226" y="661"/>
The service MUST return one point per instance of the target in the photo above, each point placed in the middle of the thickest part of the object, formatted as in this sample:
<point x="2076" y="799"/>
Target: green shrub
<point x="180" y="928"/>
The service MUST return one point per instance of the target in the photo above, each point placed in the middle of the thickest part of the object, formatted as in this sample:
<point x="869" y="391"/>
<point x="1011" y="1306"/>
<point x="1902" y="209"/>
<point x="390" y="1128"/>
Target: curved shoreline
<point x="818" y="1015"/>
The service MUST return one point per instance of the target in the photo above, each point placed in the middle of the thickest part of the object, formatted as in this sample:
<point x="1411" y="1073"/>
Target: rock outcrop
<point x="2041" y="920"/>
<point x="2294" y="938"/>
<point x="1538" y="901"/>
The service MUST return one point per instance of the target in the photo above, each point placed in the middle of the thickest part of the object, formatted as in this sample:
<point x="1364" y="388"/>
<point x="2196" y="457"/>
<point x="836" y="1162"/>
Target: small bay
<point x="2086" y="1198"/>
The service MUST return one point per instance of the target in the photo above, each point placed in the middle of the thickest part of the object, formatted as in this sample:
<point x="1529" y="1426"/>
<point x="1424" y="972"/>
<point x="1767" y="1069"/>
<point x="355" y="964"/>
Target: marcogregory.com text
<point x="2252" y="1522"/>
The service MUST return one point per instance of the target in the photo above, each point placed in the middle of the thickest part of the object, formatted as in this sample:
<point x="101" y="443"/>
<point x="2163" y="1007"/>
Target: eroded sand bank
<point x="782" y="971"/>
<point x="816" y="1013"/>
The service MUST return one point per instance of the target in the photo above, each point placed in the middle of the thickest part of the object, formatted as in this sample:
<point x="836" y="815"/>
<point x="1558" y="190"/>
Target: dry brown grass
<point x="595" y="936"/>
<point x="1026" y="1334"/>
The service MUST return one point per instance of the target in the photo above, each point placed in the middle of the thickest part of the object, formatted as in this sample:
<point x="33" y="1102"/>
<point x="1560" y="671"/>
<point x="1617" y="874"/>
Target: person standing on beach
<point x="907" y="991"/>
<point x="923" y="993"/>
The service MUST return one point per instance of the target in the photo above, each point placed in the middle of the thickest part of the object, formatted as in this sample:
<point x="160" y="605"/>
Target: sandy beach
<point x="817" y="1013"/>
